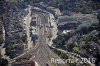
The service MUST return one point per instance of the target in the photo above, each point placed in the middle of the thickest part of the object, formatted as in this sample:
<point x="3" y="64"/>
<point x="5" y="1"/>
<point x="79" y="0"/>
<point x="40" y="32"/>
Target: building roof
<point x="27" y="63"/>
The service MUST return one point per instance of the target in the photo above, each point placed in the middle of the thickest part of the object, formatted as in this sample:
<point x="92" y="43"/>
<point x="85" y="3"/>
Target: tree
<point x="98" y="17"/>
<point x="3" y="62"/>
<point x="75" y="49"/>
<point x="97" y="59"/>
<point x="70" y="46"/>
<point x="86" y="10"/>
<point x="1" y="41"/>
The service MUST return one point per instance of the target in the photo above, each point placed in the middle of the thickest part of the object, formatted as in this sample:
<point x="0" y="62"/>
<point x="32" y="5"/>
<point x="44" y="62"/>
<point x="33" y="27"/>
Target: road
<point x="41" y="54"/>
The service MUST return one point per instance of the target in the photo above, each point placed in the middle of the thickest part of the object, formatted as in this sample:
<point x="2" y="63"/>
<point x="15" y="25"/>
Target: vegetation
<point x="98" y="16"/>
<point x="86" y="11"/>
<point x="84" y="42"/>
<point x="1" y="40"/>
<point x="24" y="39"/>
<point x="75" y="49"/>
<point x="3" y="62"/>
<point x="34" y="38"/>
<point x="83" y="6"/>
<point x="13" y="50"/>
<point x="61" y="54"/>
<point x="60" y="41"/>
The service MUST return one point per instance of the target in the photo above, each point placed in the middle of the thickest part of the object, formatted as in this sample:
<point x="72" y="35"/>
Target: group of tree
<point x="3" y="62"/>
<point x="98" y="17"/>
